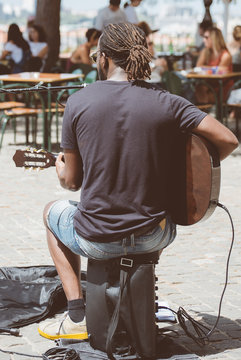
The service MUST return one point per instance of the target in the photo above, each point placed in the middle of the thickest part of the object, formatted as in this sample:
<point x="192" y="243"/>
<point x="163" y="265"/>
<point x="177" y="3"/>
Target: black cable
<point x="61" y="354"/>
<point x="15" y="332"/>
<point x="202" y="337"/>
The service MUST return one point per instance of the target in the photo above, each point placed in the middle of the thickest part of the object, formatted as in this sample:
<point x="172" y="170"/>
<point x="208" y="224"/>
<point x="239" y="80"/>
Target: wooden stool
<point x="136" y="314"/>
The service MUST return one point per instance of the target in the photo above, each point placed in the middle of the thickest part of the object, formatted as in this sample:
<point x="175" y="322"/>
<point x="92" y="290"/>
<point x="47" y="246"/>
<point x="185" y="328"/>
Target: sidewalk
<point x="191" y="272"/>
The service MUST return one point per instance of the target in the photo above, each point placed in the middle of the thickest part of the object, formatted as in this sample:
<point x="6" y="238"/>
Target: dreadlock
<point x="126" y="45"/>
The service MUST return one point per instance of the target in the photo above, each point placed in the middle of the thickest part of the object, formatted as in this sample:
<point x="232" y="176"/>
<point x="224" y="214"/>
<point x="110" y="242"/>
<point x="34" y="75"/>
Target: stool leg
<point x="4" y="124"/>
<point x="27" y="129"/>
<point x="34" y="129"/>
<point x="15" y="130"/>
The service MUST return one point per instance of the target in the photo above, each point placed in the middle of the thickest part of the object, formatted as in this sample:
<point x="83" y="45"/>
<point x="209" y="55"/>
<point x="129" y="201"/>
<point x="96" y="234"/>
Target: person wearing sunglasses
<point x="215" y="52"/>
<point x="217" y="56"/>
<point x="117" y="137"/>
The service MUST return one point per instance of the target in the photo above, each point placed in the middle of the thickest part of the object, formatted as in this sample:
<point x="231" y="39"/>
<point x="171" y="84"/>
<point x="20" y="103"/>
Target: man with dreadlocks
<point x="117" y="135"/>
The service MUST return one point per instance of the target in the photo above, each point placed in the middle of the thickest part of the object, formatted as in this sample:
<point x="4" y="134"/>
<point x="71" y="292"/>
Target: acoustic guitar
<point x="194" y="181"/>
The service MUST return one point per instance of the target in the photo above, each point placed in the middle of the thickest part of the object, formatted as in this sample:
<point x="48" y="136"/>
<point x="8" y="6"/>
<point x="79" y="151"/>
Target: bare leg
<point x="67" y="264"/>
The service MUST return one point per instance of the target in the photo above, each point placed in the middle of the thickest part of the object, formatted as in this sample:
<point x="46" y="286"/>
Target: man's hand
<point x="60" y="165"/>
<point x="69" y="169"/>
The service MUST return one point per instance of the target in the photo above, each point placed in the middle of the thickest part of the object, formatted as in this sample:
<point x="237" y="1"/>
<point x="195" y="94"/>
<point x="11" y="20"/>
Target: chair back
<point x="172" y="83"/>
<point x="72" y="91"/>
<point x="90" y="77"/>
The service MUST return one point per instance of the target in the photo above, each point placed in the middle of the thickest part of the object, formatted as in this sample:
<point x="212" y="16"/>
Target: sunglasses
<point x="93" y="56"/>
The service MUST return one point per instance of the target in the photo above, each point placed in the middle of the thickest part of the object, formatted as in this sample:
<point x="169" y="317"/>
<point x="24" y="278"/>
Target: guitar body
<point x="195" y="181"/>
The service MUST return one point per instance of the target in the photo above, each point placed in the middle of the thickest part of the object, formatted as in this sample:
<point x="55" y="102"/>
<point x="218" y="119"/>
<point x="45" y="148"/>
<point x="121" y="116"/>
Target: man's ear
<point x="105" y="61"/>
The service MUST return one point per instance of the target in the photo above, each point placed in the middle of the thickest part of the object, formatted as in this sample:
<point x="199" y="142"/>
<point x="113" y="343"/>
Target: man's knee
<point x="46" y="211"/>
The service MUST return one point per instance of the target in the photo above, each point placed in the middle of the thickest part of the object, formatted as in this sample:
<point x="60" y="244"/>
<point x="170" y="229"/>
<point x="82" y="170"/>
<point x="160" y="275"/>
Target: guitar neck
<point x="34" y="159"/>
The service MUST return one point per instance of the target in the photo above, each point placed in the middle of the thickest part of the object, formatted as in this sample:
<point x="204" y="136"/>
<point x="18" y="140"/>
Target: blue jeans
<point x="60" y="222"/>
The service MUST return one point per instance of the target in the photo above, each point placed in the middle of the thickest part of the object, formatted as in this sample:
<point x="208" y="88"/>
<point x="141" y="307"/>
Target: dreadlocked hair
<point x="126" y="45"/>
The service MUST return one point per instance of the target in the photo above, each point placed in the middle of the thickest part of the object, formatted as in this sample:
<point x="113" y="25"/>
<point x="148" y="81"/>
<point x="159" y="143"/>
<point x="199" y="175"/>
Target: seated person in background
<point x="16" y="49"/>
<point x="236" y="56"/>
<point x="129" y="9"/>
<point x="158" y="65"/>
<point x="215" y="54"/>
<point x="37" y="41"/>
<point x="111" y="14"/>
<point x="38" y="45"/>
<point x="82" y="54"/>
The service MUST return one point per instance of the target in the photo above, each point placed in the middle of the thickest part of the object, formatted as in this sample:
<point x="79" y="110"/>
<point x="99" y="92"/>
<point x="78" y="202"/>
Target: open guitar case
<point x="30" y="294"/>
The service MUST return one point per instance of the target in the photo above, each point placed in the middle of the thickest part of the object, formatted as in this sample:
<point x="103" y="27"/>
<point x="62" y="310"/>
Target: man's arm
<point x="224" y="140"/>
<point x="70" y="171"/>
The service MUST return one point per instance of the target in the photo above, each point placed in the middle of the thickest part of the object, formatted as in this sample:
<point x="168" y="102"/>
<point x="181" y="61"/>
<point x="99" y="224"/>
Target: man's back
<point x="125" y="133"/>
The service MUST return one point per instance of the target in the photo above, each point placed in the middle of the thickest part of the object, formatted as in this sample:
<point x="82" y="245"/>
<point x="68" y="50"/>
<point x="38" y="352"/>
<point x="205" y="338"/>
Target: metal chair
<point x="13" y="110"/>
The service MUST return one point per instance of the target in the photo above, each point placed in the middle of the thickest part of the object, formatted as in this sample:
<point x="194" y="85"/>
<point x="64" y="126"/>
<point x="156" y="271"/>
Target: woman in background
<point x="215" y="54"/>
<point x="16" y="49"/>
<point x="38" y="46"/>
<point x="129" y="9"/>
<point x="37" y="41"/>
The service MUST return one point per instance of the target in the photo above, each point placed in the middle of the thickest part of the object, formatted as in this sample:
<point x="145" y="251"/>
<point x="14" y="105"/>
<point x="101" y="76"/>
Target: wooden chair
<point x="176" y="85"/>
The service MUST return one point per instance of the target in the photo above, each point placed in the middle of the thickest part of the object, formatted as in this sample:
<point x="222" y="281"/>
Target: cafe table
<point x="48" y="80"/>
<point x="219" y="79"/>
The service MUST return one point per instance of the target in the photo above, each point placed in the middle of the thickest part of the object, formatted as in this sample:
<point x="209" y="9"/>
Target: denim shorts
<point x="60" y="222"/>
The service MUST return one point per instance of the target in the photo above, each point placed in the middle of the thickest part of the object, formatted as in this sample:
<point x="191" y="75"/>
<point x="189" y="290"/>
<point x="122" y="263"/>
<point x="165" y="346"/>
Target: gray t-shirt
<point x="124" y="132"/>
<point x="106" y="16"/>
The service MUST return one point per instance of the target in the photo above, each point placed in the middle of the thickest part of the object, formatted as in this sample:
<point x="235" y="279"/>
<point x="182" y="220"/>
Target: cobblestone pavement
<point x="191" y="272"/>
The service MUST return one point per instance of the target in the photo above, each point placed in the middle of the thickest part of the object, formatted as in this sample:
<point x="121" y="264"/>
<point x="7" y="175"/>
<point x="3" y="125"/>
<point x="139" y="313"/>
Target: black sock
<point x="76" y="310"/>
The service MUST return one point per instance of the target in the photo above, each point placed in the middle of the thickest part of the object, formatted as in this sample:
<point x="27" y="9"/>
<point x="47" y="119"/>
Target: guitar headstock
<point x="34" y="159"/>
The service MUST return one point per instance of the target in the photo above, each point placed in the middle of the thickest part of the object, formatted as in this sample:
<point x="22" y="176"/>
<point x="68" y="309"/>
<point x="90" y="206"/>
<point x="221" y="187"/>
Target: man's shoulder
<point x="84" y="91"/>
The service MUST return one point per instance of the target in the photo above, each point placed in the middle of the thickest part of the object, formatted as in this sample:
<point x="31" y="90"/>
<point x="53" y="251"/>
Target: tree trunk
<point x="48" y="16"/>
